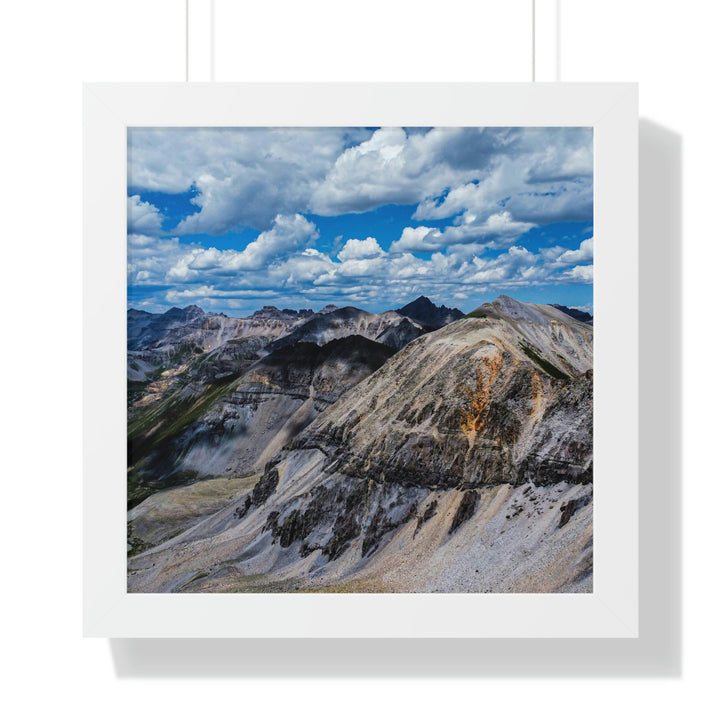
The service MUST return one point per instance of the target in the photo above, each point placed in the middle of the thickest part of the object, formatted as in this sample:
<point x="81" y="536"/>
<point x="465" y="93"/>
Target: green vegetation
<point x="183" y="477"/>
<point x="477" y="314"/>
<point x="182" y="352"/>
<point x="548" y="367"/>
<point x="137" y="545"/>
<point x="198" y="576"/>
<point x="135" y="390"/>
<point x="167" y="419"/>
<point x="153" y="429"/>
<point x="136" y="492"/>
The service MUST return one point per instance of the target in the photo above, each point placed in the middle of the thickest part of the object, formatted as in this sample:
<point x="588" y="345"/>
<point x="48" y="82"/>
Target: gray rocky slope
<point x="463" y="463"/>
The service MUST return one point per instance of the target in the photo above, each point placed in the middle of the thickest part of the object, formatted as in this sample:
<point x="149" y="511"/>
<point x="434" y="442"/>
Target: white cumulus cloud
<point x="142" y="217"/>
<point x="357" y="249"/>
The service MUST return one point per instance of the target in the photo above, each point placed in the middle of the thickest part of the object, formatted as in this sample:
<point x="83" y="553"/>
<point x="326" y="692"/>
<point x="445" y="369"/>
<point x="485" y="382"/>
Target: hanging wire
<point x="212" y="40"/>
<point x="187" y="40"/>
<point x="533" y="40"/>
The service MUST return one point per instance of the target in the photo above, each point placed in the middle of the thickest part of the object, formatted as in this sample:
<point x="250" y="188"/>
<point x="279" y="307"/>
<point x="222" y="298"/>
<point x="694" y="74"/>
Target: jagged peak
<point x="302" y="312"/>
<point x="266" y="311"/>
<point x="328" y="309"/>
<point x="425" y="311"/>
<point x="422" y="301"/>
<point x="189" y="311"/>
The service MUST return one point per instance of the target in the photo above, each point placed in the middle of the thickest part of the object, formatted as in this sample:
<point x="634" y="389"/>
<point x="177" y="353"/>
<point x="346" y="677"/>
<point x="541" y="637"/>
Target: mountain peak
<point x="509" y="304"/>
<point x="420" y="301"/>
<point x="509" y="308"/>
<point x="267" y="311"/>
<point x="302" y="312"/>
<point x="185" y="313"/>
<point x="426" y="312"/>
<point x="328" y="309"/>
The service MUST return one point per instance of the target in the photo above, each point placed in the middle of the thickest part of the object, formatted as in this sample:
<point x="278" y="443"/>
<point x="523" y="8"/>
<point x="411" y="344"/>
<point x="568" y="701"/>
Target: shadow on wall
<point x="658" y="650"/>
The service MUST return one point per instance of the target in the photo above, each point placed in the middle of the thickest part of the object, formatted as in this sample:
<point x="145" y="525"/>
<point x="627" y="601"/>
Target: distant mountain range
<point x="580" y="315"/>
<point x="414" y="450"/>
<point x="159" y="341"/>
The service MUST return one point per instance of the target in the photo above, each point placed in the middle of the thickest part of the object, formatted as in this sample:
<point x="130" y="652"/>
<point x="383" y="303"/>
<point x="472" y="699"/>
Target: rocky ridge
<point x="331" y="324"/>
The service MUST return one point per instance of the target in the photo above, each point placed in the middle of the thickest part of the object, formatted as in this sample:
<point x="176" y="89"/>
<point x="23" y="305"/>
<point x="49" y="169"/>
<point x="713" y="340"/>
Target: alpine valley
<point x="414" y="450"/>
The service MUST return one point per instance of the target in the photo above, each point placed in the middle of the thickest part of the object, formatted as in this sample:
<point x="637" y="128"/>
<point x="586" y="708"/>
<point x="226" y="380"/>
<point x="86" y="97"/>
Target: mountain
<point x="270" y="312"/>
<point x="424" y="311"/>
<point x="186" y="364"/>
<point x="398" y="336"/>
<point x="232" y="425"/>
<point x="576" y="313"/>
<point x="462" y="463"/>
<point x="148" y="330"/>
<point x="160" y="346"/>
<point x="163" y="332"/>
<point x="161" y="342"/>
<point x="330" y="324"/>
<point x="185" y="349"/>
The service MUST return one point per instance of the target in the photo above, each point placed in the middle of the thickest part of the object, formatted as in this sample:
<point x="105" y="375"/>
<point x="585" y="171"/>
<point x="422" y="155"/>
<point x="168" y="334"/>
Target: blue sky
<point x="232" y="219"/>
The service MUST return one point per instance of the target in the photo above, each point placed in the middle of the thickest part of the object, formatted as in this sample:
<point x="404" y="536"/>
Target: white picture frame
<point x="611" y="610"/>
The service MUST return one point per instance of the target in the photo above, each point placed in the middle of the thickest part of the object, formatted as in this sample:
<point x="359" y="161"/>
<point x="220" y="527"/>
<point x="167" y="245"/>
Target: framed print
<point x="353" y="360"/>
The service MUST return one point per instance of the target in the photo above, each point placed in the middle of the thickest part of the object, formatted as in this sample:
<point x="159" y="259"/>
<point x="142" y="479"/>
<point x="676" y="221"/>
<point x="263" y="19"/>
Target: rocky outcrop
<point x="466" y="509"/>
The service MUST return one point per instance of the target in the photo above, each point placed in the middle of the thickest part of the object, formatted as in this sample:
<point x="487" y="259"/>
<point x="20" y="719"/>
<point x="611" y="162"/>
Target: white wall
<point x="46" y="50"/>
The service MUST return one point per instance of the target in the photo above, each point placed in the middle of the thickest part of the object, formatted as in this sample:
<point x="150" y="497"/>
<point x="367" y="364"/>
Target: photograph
<point x="360" y="359"/>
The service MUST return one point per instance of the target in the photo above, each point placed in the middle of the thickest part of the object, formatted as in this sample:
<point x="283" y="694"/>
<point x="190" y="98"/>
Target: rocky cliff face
<point x="464" y="462"/>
